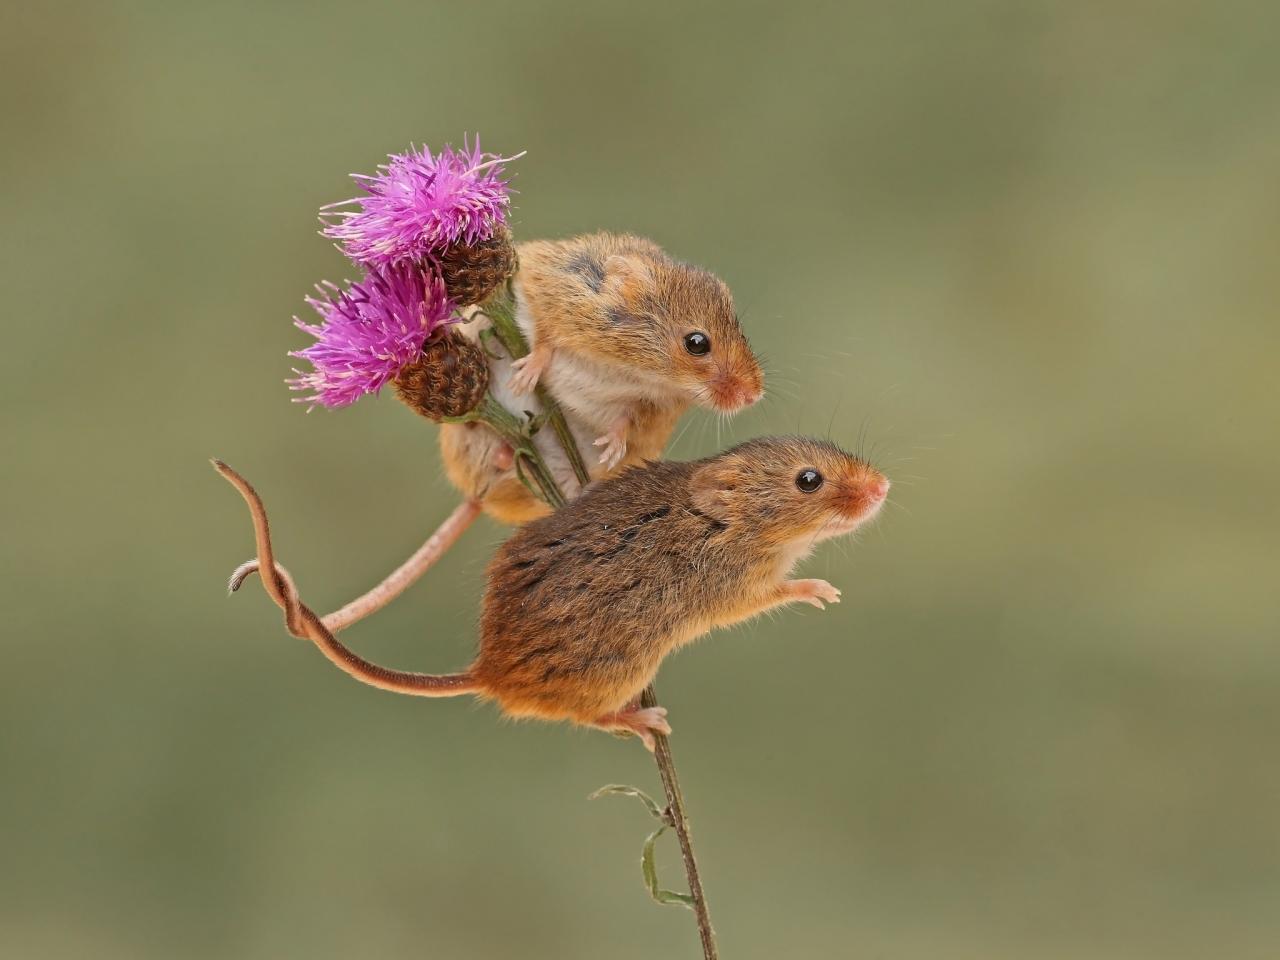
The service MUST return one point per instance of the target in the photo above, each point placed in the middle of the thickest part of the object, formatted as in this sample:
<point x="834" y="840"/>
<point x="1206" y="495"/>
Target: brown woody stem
<point x="679" y="819"/>
<point x="501" y="313"/>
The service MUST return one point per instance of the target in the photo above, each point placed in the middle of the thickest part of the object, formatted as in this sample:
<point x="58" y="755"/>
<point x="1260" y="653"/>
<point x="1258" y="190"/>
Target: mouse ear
<point x="713" y="489"/>
<point x="628" y="277"/>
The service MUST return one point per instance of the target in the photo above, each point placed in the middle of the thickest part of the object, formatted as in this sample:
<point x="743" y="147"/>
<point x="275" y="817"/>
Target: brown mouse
<point x="626" y="339"/>
<point x="582" y="606"/>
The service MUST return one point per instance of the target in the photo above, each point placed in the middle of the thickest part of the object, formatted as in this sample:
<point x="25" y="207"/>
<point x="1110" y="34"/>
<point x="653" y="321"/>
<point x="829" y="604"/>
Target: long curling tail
<point x="384" y="678"/>
<point x="302" y="622"/>
<point x="400" y="580"/>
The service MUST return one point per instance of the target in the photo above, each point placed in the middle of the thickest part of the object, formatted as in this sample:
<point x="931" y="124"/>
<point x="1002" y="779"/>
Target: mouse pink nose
<point x="748" y="393"/>
<point x="731" y="394"/>
<point x="878" y="489"/>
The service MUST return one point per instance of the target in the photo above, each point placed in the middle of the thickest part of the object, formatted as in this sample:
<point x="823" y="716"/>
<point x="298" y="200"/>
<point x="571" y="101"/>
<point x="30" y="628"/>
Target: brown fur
<point x="583" y="605"/>
<point x="621" y="301"/>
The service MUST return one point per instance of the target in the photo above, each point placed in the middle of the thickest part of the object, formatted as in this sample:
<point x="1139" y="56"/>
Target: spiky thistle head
<point x="421" y="204"/>
<point x="370" y="332"/>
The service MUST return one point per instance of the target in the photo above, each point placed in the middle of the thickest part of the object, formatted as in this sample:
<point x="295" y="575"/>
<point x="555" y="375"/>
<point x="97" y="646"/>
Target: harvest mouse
<point x="625" y="339"/>
<point x="582" y="606"/>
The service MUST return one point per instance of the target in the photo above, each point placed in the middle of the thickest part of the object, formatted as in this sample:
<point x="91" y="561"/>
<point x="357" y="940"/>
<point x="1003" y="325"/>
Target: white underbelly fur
<point x="595" y="394"/>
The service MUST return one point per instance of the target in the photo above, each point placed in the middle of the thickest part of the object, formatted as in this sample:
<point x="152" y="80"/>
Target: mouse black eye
<point x="697" y="343"/>
<point x="808" y="480"/>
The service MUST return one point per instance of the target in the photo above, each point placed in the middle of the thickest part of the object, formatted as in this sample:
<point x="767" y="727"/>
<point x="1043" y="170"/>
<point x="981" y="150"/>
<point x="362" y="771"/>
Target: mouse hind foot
<point x="644" y="722"/>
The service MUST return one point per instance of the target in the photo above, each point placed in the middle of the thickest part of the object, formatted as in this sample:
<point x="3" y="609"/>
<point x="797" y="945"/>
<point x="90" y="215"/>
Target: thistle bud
<point x="472" y="271"/>
<point x="448" y="380"/>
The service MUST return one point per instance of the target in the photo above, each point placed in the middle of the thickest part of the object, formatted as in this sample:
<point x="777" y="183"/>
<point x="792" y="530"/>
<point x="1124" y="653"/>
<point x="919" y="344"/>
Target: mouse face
<point x="790" y="489"/>
<point x="695" y="344"/>
<point x="710" y="356"/>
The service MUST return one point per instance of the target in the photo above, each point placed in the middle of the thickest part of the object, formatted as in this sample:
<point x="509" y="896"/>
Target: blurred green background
<point x="1031" y="249"/>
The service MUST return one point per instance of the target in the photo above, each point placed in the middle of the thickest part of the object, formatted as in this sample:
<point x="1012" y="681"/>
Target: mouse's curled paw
<point x="644" y="722"/>
<point x="813" y="591"/>
<point x="614" y="443"/>
<point x="527" y="371"/>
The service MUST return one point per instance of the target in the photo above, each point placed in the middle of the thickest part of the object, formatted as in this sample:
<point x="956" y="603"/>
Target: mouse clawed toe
<point x="527" y="371"/>
<point x="521" y="382"/>
<point x="614" y="451"/>
<point x="653" y="718"/>
<point x="614" y="443"/>
<point x="644" y="722"/>
<point x="813" y="591"/>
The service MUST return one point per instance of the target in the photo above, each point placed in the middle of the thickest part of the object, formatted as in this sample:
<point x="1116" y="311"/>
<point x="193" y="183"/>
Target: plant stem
<point x="500" y="309"/>
<point x="561" y="426"/>
<point x="506" y="425"/>
<point x="680" y="821"/>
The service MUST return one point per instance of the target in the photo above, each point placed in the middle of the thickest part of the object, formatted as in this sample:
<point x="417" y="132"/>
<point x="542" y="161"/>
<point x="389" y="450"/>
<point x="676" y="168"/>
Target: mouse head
<point x="694" y="341"/>
<point x="789" y="490"/>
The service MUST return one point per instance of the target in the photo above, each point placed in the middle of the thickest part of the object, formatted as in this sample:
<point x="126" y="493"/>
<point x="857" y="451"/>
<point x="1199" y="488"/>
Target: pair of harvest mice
<point x="582" y="605"/>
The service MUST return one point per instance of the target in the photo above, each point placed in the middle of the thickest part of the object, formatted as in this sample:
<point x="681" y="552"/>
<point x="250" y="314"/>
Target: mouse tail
<point x="384" y="678"/>
<point x="302" y="621"/>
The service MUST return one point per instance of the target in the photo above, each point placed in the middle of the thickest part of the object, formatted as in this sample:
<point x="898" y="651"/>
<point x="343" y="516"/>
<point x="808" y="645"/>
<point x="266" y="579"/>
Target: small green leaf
<point x="520" y="454"/>
<point x="486" y="335"/>
<point x="648" y="866"/>
<point x="538" y="421"/>
<point x="668" y="898"/>
<point x="622" y="788"/>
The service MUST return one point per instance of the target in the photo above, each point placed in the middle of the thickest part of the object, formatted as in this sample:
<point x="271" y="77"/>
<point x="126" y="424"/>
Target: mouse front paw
<point x="614" y="443"/>
<point x="527" y="371"/>
<point x="813" y="591"/>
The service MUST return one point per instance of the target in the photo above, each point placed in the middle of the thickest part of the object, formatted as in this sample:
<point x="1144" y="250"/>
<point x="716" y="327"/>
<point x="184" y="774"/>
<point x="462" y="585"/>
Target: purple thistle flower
<point x="422" y="204"/>
<point x="370" y="331"/>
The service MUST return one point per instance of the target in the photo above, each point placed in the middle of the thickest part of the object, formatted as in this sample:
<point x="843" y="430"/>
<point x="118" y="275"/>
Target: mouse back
<point x="582" y="605"/>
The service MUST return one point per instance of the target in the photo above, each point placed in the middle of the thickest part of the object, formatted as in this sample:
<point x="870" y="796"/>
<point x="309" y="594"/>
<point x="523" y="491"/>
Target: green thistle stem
<point x="519" y="436"/>
<point x="500" y="309"/>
